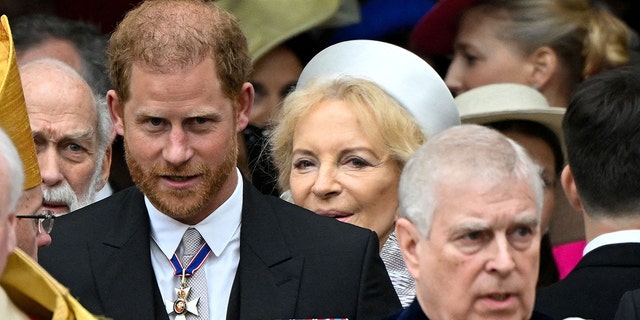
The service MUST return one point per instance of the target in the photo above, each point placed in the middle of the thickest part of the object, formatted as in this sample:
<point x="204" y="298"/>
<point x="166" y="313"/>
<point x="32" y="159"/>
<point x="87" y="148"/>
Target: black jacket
<point x="293" y="263"/>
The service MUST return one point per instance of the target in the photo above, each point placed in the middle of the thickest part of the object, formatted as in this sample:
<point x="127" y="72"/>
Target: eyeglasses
<point x="44" y="222"/>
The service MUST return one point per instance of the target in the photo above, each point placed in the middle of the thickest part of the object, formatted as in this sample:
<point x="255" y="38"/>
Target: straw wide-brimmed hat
<point x="268" y="23"/>
<point x="13" y="110"/>
<point x="435" y="33"/>
<point x="509" y="101"/>
<point x="407" y="78"/>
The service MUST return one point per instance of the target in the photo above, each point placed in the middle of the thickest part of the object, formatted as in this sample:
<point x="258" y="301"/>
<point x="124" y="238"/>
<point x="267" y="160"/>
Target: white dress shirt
<point x="624" y="236"/>
<point x="221" y="231"/>
<point x="104" y="192"/>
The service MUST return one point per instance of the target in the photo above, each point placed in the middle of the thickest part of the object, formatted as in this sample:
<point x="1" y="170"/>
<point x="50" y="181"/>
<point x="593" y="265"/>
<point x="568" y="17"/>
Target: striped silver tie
<point x="192" y="241"/>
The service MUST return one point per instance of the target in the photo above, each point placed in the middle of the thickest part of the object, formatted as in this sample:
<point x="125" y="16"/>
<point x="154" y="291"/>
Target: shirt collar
<point x="624" y="236"/>
<point x="217" y="229"/>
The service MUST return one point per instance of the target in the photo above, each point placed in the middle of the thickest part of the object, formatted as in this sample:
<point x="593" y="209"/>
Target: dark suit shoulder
<point x="594" y="287"/>
<point x="94" y="220"/>
<point x="101" y="253"/>
<point x="294" y="215"/>
<point x="629" y="307"/>
<point x="333" y="268"/>
<point x="299" y="223"/>
<point x="412" y="312"/>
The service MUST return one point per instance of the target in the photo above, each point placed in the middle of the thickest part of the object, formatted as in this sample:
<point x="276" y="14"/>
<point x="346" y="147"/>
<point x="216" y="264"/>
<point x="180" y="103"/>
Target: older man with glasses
<point x="26" y="290"/>
<point x="14" y="121"/>
<point x="43" y="222"/>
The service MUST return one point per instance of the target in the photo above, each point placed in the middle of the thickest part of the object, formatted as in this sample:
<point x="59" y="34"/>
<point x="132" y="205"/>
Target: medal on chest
<point x="181" y="306"/>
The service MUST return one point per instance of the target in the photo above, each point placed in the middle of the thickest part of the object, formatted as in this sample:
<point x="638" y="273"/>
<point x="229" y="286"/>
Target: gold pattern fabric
<point x="33" y="290"/>
<point x="13" y="110"/>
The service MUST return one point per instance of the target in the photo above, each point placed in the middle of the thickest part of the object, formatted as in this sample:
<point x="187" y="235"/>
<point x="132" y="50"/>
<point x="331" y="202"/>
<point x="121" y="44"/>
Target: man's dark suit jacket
<point x="414" y="312"/>
<point x="592" y="290"/>
<point x="629" y="307"/>
<point x="293" y="263"/>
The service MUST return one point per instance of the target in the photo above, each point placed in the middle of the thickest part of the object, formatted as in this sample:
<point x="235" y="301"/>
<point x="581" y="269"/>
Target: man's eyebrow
<point x="529" y="220"/>
<point x="470" y="226"/>
<point x="81" y="135"/>
<point x="215" y="116"/>
<point x="84" y="135"/>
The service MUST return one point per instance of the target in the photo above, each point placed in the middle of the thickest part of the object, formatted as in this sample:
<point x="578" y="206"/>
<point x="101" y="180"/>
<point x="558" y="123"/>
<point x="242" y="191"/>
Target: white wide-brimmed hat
<point x="509" y="101"/>
<point x="404" y="76"/>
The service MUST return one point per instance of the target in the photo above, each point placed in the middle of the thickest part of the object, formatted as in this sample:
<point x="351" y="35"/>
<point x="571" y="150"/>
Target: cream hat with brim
<point x="13" y="110"/>
<point x="508" y="101"/>
<point x="268" y="23"/>
<point x="404" y="76"/>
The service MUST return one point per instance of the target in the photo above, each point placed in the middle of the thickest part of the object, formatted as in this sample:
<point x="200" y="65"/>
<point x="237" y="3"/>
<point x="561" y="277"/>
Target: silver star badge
<point x="181" y="306"/>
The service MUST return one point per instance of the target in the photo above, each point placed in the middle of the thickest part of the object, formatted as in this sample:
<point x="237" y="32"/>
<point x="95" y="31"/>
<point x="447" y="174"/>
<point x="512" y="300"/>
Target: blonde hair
<point x="379" y="113"/>
<point x="170" y="35"/>
<point x="588" y="40"/>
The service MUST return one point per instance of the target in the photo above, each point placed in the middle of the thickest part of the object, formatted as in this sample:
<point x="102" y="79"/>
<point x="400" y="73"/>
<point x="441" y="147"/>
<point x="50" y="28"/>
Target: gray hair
<point x="105" y="126"/>
<point x="13" y="170"/>
<point x="466" y="151"/>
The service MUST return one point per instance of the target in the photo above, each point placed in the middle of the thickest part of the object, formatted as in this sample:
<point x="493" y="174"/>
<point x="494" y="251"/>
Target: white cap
<point x="401" y="74"/>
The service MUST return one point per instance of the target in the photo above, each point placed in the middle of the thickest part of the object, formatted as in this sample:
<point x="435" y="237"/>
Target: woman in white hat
<point x="360" y="110"/>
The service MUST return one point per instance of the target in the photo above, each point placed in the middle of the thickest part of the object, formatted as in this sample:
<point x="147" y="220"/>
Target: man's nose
<point x="177" y="149"/>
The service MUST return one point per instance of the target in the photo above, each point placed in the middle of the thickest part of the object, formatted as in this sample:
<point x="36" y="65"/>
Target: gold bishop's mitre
<point x="13" y="110"/>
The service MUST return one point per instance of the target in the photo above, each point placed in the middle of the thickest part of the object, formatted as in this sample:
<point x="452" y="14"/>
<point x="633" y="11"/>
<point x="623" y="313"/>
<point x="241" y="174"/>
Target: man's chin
<point x="178" y="208"/>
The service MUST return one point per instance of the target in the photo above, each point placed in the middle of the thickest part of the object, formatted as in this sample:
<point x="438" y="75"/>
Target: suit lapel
<point x="268" y="275"/>
<point x="125" y="281"/>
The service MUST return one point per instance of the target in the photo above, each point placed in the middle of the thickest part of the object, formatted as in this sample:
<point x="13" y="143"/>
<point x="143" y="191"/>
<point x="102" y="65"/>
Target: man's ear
<point x="106" y="167"/>
<point x="544" y="62"/>
<point x="116" y="108"/>
<point x="409" y="242"/>
<point x="570" y="189"/>
<point x="244" y="104"/>
<point x="11" y="240"/>
<point x="106" y="161"/>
